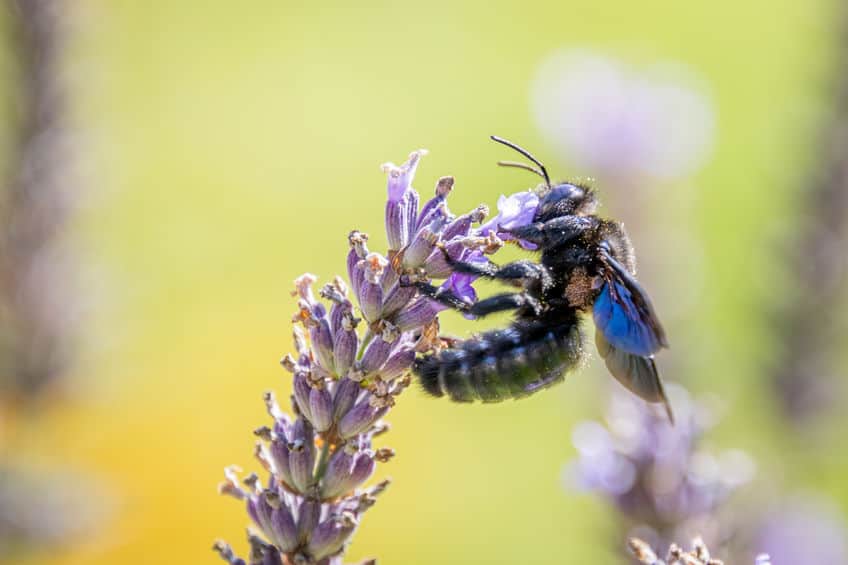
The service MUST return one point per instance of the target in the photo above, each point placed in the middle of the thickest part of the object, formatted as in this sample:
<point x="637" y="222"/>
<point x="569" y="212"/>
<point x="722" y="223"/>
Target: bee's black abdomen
<point x="502" y="364"/>
<point x="428" y="375"/>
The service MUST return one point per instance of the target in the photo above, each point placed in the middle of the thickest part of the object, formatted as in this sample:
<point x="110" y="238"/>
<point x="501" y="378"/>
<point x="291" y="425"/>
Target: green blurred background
<point x="227" y="148"/>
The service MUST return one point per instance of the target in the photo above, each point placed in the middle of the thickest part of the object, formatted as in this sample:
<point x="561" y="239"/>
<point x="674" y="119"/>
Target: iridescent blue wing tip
<point x="636" y="373"/>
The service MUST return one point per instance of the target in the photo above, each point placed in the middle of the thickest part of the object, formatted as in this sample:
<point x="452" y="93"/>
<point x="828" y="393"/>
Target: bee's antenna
<point x="541" y="172"/>
<point x="518" y="165"/>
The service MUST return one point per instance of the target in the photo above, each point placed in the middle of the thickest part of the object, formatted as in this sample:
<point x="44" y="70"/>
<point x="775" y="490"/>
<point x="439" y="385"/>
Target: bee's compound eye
<point x="566" y="191"/>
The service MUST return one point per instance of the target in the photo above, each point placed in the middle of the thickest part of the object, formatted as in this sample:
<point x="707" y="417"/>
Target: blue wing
<point x="623" y="313"/>
<point x="628" y="334"/>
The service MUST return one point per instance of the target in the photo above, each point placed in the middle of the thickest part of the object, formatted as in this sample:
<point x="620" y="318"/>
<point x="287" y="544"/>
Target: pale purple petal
<point x="443" y="188"/>
<point x="402" y="203"/>
<point x="400" y="177"/>
<point x="514" y="211"/>
<point x="417" y="314"/>
<point x="460" y="283"/>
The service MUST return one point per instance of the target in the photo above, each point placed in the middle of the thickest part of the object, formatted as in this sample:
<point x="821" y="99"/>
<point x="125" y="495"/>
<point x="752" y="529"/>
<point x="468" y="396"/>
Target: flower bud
<point x="461" y="226"/>
<point x="355" y="271"/>
<point x="338" y="472"/>
<point x="322" y="344"/>
<point x="398" y="297"/>
<point x="363" y="467"/>
<point x="420" y="248"/>
<point x="330" y="535"/>
<point x="260" y="512"/>
<point x="301" y="390"/>
<point x="443" y="188"/>
<point x="360" y="418"/>
<point x="302" y="455"/>
<point x="321" y="406"/>
<point x="398" y="363"/>
<point x="284" y="529"/>
<point x="308" y="517"/>
<point x="375" y="354"/>
<point x="280" y="457"/>
<point x="371" y="301"/>
<point x="416" y="315"/>
<point x="347" y="392"/>
<point x="345" y="344"/>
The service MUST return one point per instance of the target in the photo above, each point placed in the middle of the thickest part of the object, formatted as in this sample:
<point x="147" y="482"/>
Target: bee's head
<point x="565" y="199"/>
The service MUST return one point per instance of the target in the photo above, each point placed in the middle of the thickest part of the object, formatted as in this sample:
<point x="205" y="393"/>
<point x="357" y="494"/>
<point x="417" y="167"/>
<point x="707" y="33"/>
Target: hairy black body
<point x="500" y="364"/>
<point x="585" y="261"/>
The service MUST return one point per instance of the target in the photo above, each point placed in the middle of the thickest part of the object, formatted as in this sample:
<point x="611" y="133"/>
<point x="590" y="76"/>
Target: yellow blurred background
<point x="228" y="148"/>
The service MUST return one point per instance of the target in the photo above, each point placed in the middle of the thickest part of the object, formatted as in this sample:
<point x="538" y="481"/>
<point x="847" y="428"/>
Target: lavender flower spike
<point x="353" y="353"/>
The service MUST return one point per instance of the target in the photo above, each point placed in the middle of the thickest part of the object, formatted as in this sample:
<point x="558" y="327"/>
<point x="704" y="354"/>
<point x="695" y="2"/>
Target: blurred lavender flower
<point x="38" y="310"/>
<point x="620" y="123"/>
<point x="39" y="510"/>
<point x="345" y="380"/>
<point x="663" y="486"/>
<point x="636" y="130"/>
<point x="805" y="530"/>
<point x="805" y="370"/>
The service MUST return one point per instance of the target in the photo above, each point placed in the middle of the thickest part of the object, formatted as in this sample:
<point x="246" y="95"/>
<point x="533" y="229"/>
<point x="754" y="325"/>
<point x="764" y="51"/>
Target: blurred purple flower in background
<point x="614" y="121"/>
<point x="635" y="129"/>
<point x="45" y="507"/>
<point x="663" y="485"/>
<point x="347" y="372"/>
<point x="805" y="530"/>
<point x="807" y="374"/>
<point x="40" y="308"/>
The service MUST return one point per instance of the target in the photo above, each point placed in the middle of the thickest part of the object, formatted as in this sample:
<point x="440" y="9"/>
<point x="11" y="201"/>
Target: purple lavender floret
<point x="514" y="211"/>
<point x="353" y="349"/>
<point x="461" y="283"/>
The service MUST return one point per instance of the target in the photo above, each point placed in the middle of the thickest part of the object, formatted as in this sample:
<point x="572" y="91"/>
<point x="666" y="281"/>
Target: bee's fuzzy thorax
<point x="615" y="235"/>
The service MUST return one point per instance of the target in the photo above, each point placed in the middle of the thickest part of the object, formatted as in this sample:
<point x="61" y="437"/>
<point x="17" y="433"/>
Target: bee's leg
<point x="517" y="271"/>
<point x="557" y="231"/>
<point x="497" y="303"/>
<point x="504" y="302"/>
<point x="442" y="296"/>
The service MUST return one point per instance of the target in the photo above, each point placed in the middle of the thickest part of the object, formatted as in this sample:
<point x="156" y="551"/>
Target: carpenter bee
<point x="585" y="263"/>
